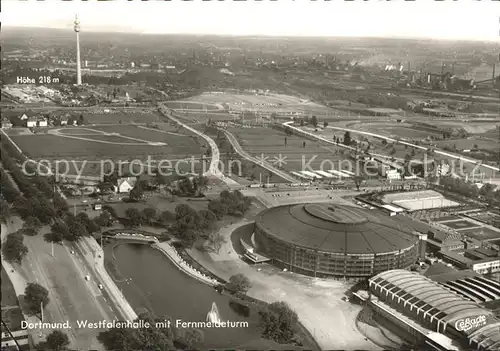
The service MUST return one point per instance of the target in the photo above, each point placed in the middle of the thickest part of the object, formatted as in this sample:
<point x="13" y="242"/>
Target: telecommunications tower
<point x="78" y="63"/>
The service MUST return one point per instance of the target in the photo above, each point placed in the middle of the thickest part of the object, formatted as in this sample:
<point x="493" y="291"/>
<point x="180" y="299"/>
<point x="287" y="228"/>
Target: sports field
<point x="470" y="143"/>
<point x="88" y="152"/>
<point x="289" y="153"/>
<point x="419" y="200"/>
<point x="262" y="102"/>
<point x="392" y="129"/>
<point x="460" y="224"/>
<point x="485" y="217"/>
<point x="481" y="233"/>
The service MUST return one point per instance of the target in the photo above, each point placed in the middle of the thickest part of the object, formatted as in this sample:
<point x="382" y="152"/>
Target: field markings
<point x="142" y="142"/>
<point x="163" y="131"/>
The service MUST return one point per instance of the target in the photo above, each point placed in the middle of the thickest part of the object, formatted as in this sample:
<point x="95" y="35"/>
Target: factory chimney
<point x="493" y="77"/>
<point x="409" y="72"/>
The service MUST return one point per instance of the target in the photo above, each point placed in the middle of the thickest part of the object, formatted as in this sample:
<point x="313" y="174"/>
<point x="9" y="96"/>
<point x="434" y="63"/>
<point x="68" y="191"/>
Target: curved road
<point x="215" y="160"/>
<point x="439" y="152"/>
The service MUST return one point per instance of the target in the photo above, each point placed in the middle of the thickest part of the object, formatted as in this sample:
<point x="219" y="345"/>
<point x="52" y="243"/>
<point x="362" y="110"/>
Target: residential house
<point x="42" y="122"/>
<point x="64" y="120"/>
<point x="31" y="122"/>
<point x="124" y="185"/>
<point x="24" y="117"/>
<point x="6" y="124"/>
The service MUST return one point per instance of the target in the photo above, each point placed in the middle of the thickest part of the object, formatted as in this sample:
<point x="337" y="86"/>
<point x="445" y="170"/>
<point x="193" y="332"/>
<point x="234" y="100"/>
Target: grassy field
<point x="402" y="130"/>
<point x="259" y="102"/>
<point x="121" y="117"/>
<point x="50" y="146"/>
<point x="469" y="143"/>
<point x="78" y="131"/>
<point x="270" y="143"/>
<point x="191" y="105"/>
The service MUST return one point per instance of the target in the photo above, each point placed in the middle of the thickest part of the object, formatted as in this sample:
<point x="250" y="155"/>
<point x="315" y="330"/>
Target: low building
<point x="6" y="124"/>
<point x="480" y="260"/>
<point x="31" y="122"/>
<point x="124" y="185"/>
<point x="42" y="122"/>
<point x="424" y="309"/>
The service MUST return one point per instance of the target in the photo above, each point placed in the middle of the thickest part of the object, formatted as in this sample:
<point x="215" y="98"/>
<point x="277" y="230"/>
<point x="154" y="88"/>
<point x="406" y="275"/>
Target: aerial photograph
<point x="260" y="175"/>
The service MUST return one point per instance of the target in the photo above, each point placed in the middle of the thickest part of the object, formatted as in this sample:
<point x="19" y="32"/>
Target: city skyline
<point x="422" y="19"/>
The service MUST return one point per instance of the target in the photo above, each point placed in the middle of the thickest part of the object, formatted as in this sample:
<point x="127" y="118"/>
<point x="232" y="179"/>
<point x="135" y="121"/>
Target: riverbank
<point x="169" y="251"/>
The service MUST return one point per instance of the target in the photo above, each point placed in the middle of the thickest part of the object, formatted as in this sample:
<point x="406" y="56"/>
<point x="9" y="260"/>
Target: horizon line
<point x="396" y="37"/>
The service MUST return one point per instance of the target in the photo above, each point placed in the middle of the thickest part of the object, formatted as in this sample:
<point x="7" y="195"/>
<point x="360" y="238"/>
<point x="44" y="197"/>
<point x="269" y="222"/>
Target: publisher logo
<point x="470" y="323"/>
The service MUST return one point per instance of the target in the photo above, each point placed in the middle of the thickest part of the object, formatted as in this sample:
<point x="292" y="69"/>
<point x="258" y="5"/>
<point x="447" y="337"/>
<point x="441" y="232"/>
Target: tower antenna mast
<point x="78" y="62"/>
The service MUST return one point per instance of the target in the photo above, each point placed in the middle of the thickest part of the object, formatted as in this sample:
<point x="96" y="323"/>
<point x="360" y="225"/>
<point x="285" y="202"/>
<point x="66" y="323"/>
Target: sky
<point x="462" y="19"/>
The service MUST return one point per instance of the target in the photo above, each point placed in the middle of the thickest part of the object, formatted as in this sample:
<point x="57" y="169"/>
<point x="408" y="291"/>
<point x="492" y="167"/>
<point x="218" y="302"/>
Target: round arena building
<point x="331" y="240"/>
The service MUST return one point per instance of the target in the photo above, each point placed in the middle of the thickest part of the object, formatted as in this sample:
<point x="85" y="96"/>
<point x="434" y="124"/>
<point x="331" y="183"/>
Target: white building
<point x="31" y="122"/>
<point x="124" y="185"/>
<point x="42" y="122"/>
<point x="393" y="174"/>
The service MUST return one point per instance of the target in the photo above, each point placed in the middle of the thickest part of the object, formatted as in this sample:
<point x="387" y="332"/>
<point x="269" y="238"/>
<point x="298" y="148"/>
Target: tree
<point x="14" y="249"/>
<point x="347" y="138"/>
<point x="75" y="227"/>
<point x="104" y="219"/>
<point x="325" y="124"/>
<point x="81" y="120"/>
<point x="149" y="214"/>
<point x="238" y="283"/>
<point x="4" y="210"/>
<point x="32" y="222"/>
<point x="134" y="216"/>
<point x="189" y="337"/>
<point x="60" y="231"/>
<point x="358" y="180"/>
<point x="314" y="121"/>
<point x="217" y="208"/>
<point x="216" y="240"/>
<point x="90" y="225"/>
<point x="110" y="210"/>
<point x="133" y="339"/>
<point x="136" y="193"/>
<point x="35" y="296"/>
<point x="278" y="322"/>
<point x="57" y="340"/>
<point x="60" y="205"/>
<point x="207" y="219"/>
<point x="166" y="217"/>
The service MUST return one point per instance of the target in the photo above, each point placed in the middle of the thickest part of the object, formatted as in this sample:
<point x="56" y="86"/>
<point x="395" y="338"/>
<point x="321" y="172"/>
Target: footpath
<point x="96" y="259"/>
<point x="182" y="265"/>
<point x="19" y="282"/>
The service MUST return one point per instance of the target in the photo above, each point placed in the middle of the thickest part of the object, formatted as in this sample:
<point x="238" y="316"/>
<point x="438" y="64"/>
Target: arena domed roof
<point x="334" y="228"/>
